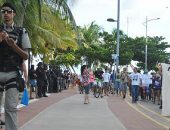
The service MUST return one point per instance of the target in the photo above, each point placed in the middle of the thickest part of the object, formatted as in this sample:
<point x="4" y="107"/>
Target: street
<point x="66" y="111"/>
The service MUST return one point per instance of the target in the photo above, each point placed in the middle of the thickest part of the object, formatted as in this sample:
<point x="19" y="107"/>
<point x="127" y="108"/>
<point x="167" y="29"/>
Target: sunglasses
<point x="3" y="11"/>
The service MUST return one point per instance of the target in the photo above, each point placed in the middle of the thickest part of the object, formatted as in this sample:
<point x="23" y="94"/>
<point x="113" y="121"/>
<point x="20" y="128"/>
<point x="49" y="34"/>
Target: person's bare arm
<point x="24" y="69"/>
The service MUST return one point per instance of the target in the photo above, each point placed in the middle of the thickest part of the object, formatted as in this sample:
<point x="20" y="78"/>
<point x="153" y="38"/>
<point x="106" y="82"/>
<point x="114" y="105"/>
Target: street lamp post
<point x="146" y="45"/>
<point x="118" y="36"/>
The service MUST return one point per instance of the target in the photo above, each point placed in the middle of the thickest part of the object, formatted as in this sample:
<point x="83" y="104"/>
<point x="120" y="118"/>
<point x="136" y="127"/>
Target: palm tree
<point x="50" y="25"/>
<point x="91" y="39"/>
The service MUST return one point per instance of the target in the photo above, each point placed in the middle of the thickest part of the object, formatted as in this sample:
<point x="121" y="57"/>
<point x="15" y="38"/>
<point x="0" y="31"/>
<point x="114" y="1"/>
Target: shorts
<point x="87" y="89"/>
<point x="124" y="87"/>
<point x="105" y="85"/>
<point x="33" y="82"/>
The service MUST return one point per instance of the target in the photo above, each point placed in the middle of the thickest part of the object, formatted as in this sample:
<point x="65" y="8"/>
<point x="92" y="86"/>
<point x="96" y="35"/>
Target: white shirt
<point x="146" y="79"/>
<point x="135" y="77"/>
<point x="106" y="77"/>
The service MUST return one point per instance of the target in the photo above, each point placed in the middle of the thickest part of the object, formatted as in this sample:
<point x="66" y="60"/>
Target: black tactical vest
<point x="9" y="59"/>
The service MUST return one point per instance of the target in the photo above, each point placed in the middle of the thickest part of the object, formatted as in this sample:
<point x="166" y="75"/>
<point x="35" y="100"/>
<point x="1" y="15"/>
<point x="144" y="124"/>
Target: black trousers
<point x="40" y="84"/>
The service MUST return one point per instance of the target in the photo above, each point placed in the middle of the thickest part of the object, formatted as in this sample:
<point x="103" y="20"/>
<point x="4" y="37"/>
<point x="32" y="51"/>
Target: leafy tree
<point x="110" y="42"/>
<point x="156" y="51"/>
<point x="90" y="40"/>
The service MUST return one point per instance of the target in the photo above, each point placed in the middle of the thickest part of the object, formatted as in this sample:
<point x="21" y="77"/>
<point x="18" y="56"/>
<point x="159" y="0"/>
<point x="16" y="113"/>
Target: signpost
<point x="115" y="58"/>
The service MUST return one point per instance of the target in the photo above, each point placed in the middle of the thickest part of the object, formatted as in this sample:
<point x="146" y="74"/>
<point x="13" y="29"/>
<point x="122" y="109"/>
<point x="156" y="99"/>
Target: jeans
<point x="117" y="86"/>
<point x="135" y="92"/>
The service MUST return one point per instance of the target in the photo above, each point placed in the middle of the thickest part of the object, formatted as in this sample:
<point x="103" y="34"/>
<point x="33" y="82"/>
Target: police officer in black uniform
<point x="40" y="78"/>
<point x="46" y="81"/>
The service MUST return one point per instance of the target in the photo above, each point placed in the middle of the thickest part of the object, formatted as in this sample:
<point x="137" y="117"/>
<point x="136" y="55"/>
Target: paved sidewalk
<point x="66" y="111"/>
<point x="72" y="114"/>
<point x="131" y="116"/>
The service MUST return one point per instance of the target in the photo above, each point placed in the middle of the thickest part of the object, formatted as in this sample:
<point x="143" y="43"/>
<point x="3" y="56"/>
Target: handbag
<point x="25" y="98"/>
<point x="21" y="82"/>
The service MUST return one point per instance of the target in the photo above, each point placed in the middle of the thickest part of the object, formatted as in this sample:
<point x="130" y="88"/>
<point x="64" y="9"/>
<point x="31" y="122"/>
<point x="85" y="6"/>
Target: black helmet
<point x="40" y="64"/>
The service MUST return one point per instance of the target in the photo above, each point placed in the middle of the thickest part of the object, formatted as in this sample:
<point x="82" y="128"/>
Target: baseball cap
<point x="7" y="4"/>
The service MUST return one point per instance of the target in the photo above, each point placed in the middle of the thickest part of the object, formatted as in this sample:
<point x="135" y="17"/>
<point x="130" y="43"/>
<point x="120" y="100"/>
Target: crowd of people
<point x="48" y="78"/>
<point x="140" y="86"/>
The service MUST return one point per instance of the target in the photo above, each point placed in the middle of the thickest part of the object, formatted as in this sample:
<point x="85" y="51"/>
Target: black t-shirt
<point x="98" y="74"/>
<point x="32" y="74"/>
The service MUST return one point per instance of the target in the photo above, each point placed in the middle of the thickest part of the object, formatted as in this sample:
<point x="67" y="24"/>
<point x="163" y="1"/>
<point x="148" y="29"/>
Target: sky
<point x="132" y="15"/>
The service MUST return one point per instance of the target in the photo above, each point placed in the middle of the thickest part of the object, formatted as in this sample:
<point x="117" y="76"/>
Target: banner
<point x="165" y="89"/>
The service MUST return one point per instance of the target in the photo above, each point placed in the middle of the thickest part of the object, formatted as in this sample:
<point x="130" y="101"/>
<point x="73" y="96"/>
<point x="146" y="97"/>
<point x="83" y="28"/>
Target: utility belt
<point x="8" y="85"/>
<point x="20" y="83"/>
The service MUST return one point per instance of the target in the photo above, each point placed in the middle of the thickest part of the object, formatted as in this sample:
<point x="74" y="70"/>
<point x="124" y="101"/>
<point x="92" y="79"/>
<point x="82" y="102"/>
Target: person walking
<point x="118" y="82"/>
<point x="124" y="81"/>
<point x="136" y="82"/>
<point x="14" y="46"/>
<point x="91" y="79"/>
<point x="146" y="81"/>
<point x="85" y="82"/>
<point x="112" y="79"/>
<point x="106" y="80"/>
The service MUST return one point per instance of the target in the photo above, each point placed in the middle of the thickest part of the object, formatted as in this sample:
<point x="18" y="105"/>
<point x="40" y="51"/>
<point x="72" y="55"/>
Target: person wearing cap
<point x="14" y="46"/>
